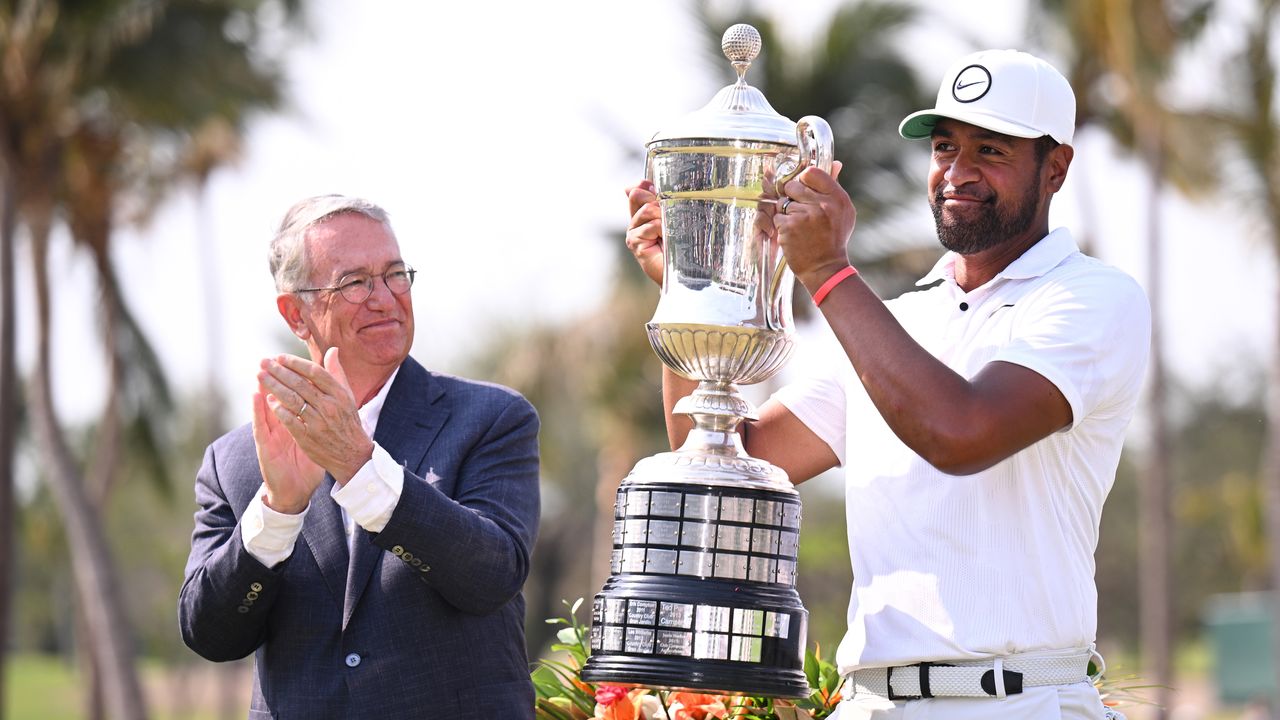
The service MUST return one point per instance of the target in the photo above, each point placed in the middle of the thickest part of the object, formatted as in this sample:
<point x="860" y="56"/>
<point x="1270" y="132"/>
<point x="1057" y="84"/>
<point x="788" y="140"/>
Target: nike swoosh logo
<point x="971" y="84"/>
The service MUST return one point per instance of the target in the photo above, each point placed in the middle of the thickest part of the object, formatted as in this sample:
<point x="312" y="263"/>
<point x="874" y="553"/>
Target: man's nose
<point x="962" y="171"/>
<point x="381" y="294"/>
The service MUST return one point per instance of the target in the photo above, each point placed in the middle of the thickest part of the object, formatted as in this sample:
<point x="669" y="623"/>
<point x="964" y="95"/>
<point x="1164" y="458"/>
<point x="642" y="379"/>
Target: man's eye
<point x="398" y="275"/>
<point x="352" y="283"/>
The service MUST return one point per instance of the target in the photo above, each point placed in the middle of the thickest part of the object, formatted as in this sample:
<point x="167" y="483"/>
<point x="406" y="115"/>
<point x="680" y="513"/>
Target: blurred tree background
<point x="109" y="108"/>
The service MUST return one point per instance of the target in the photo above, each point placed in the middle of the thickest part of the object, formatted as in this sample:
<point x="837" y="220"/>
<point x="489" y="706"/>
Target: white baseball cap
<point x="1007" y="91"/>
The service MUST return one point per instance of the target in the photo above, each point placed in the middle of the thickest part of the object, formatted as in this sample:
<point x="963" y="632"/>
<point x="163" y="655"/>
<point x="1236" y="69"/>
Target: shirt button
<point x="353" y="660"/>
<point x="964" y="306"/>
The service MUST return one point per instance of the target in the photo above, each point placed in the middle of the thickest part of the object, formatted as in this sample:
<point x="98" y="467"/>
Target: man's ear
<point x="290" y="307"/>
<point x="1056" y="165"/>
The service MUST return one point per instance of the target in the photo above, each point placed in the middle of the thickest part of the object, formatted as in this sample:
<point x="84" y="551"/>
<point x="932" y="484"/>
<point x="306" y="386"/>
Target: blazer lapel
<point x="409" y="423"/>
<point x="323" y="533"/>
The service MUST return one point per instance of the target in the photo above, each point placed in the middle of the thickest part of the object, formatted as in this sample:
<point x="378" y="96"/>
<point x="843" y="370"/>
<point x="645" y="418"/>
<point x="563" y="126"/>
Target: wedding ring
<point x="782" y="208"/>
<point x="304" y="409"/>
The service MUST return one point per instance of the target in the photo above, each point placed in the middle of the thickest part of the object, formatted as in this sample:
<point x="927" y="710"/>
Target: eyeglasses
<point x="357" y="287"/>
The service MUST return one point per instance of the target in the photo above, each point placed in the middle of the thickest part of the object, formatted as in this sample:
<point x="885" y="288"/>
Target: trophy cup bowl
<point x="701" y="593"/>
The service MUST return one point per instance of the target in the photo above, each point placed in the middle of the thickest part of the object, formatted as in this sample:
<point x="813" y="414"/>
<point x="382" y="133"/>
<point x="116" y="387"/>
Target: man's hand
<point x="644" y="233"/>
<point x="316" y="405"/>
<point x="290" y="476"/>
<point x="815" y="228"/>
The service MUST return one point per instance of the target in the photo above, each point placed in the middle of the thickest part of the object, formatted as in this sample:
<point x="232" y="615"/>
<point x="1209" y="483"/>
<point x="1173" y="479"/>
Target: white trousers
<point x="1078" y="701"/>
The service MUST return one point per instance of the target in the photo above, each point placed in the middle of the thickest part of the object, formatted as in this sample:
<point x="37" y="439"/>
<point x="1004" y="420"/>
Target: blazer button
<point x="397" y="550"/>
<point x="256" y="587"/>
<point x="242" y="609"/>
<point x="353" y="660"/>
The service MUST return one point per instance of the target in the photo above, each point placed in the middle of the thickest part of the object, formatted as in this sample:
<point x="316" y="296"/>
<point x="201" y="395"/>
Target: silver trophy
<point x="702" y="587"/>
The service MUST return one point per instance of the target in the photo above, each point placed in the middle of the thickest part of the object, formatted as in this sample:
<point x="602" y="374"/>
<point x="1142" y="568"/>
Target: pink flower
<point x="609" y="694"/>
<point x="616" y="703"/>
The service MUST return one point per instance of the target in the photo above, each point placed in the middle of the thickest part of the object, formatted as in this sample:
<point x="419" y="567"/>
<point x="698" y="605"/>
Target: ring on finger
<point x="304" y="409"/>
<point x="786" y="202"/>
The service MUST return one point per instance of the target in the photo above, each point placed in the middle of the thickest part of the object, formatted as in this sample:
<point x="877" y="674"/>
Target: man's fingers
<point x="333" y="366"/>
<point x="318" y="376"/>
<point x="639" y="196"/>
<point x="295" y="380"/>
<point x="261" y="429"/>
<point x="811" y="183"/>
<point x="646" y="214"/>
<point x="290" y="397"/>
<point x="290" y="421"/>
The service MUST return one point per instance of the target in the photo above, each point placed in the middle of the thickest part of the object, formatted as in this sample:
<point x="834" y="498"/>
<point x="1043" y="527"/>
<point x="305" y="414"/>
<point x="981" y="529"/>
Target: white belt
<point x="994" y="677"/>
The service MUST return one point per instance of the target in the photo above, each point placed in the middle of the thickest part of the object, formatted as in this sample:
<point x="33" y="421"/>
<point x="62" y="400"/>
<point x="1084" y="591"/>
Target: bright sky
<point x="482" y="131"/>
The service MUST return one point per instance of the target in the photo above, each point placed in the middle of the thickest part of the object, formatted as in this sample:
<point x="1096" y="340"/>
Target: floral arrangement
<point x="562" y="694"/>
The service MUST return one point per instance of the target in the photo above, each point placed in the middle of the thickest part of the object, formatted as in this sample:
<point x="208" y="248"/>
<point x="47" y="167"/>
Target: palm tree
<point x="43" y="54"/>
<point x="8" y="408"/>
<point x="1133" y="46"/>
<point x="86" y="87"/>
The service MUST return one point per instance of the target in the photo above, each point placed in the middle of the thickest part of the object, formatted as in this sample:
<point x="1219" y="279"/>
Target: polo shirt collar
<point x="1038" y="259"/>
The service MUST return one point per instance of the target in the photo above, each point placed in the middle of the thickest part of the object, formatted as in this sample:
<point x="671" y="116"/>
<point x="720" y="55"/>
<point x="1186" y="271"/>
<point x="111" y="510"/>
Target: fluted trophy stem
<point x="715" y="406"/>
<point x="701" y="593"/>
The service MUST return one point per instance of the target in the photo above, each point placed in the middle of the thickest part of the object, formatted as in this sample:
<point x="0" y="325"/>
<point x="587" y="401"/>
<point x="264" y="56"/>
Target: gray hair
<point x="288" y="251"/>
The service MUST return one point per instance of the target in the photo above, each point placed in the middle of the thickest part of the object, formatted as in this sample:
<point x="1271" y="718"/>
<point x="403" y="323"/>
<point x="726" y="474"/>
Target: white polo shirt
<point x="998" y="562"/>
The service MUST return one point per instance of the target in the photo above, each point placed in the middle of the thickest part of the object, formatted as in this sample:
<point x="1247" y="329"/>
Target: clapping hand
<point x="315" y="407"/>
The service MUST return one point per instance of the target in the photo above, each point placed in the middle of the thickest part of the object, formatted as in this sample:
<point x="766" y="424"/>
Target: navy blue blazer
<point x="427" y="619"/>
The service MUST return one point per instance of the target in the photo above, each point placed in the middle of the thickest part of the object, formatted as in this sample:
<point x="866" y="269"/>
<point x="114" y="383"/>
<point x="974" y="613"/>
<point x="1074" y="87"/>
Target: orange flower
<point x="696" y="706"/>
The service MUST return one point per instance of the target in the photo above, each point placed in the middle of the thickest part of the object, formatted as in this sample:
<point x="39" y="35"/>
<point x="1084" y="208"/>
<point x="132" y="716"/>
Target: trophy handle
<point x="816" y="146"/>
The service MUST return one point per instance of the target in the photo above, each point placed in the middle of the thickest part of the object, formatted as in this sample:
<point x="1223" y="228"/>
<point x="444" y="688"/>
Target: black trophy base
<point x="706" y="676"/>
<point x="699" y="634"/>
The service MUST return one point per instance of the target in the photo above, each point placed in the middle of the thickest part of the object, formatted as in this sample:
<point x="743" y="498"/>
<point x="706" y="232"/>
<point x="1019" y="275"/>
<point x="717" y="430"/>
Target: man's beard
<point x="993" y="226"/>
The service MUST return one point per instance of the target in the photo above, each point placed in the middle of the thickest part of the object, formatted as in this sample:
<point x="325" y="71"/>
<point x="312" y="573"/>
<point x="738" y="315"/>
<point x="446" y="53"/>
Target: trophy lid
<point x="739" y="111"/>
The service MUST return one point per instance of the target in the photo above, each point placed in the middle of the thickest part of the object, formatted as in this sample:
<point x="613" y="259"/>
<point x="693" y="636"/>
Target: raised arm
<point x="959" y="425"/>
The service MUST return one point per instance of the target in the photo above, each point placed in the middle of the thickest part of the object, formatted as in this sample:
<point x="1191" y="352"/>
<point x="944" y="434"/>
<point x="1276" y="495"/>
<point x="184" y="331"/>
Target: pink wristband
<point x="830" y="284"/>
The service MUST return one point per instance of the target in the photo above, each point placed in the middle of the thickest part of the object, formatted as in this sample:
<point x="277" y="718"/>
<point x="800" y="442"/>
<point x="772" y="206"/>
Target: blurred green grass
<point x="39" y="687"/>
<point x="46" y="687"/>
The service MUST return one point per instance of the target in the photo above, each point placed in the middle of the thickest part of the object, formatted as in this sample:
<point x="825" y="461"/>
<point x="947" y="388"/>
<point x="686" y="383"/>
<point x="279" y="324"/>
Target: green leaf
<point x="811" y="668"/>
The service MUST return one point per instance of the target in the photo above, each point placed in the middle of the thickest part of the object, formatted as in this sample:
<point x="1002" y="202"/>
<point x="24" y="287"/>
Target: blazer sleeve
<point x="226" y="593"/>
<point x="475" y="545"/>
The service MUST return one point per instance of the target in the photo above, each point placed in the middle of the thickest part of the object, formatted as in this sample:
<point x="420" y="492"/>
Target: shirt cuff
<point x="268" y="535"/>
<point x="371" y="495"/>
